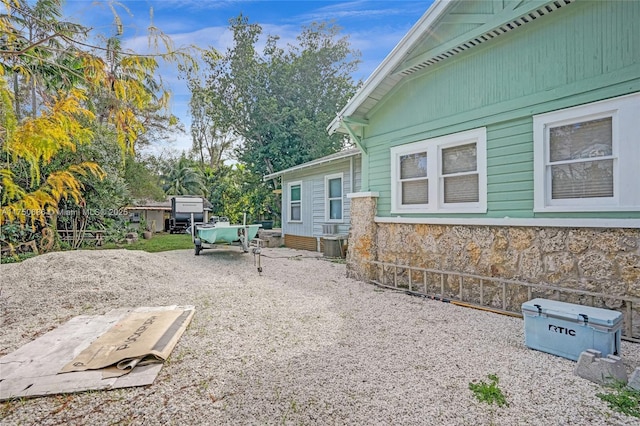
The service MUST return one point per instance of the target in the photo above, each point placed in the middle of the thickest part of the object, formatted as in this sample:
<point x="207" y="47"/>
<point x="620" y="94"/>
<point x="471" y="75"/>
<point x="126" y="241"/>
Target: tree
<point x="83" y="91"/>
<point x="36" y="52"/>
<point x="131" y="99"/>
<point x="212" y="141"/>
<point x="182" y="177"/>
<point x="34" y="142"/>
<point x="280" y="102"/>
<point x="140" y="180"/>
<point x="32" y="50"/>
<point x="234" y="191"/>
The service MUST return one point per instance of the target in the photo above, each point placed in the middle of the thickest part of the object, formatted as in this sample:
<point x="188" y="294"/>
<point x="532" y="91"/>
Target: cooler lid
<point x="573" y="312"/>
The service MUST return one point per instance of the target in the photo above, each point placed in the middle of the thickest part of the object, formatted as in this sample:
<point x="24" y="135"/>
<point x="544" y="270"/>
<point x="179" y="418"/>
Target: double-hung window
<point x="295" y="202"/>
<point x="333" y="197"/>
<point x="440" y="175"/>
<point x="587" y="158"/>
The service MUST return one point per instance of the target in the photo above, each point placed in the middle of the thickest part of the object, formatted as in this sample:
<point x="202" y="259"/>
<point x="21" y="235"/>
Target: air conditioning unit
<point x="329" y="229"/>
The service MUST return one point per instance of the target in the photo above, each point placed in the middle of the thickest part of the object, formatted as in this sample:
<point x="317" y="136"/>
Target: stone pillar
<point x="362" y="236"/>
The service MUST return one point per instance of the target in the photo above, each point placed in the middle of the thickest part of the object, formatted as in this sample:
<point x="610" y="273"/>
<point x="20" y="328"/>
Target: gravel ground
<point x="300" y="344"/>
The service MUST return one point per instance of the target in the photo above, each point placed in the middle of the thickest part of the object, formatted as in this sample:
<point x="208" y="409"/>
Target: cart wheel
<point x="198" y="247"/>
<point x="259" y="269"/>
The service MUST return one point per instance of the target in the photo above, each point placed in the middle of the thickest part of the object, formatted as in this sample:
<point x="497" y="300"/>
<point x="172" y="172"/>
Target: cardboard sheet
<point x="34" y="369"/>
<point x="139" y="338"/>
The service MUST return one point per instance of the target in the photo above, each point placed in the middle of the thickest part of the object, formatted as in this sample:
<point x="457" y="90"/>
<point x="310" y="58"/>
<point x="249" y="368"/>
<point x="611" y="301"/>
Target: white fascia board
<point x="392" y="60"/>
<point x="346" y="154"/>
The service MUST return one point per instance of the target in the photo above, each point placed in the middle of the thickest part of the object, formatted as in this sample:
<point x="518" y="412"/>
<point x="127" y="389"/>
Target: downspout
<point x="351" y="186"/>
<point x="352" y="174"/>
<point x="346" y="123"/>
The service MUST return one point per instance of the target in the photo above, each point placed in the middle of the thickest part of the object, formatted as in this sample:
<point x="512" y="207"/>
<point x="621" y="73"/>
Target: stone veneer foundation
<point x="600" y="260"/>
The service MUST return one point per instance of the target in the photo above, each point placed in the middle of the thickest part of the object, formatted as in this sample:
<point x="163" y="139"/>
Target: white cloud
<point x="363" y="10"/>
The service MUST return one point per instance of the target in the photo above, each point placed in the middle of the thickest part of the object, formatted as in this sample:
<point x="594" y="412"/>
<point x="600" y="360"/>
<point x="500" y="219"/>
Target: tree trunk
<point x="16" y="93"/>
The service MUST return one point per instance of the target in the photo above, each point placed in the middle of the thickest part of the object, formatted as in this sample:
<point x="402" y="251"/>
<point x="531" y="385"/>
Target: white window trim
<point x="433" y="147"/>
<point x="624" y="112"/>
<point x="289" y="185"/>
<point x="327" y="206"/>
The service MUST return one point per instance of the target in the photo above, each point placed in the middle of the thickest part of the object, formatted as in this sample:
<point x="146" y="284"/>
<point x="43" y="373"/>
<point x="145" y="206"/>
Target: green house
<point x="499" y="145"/>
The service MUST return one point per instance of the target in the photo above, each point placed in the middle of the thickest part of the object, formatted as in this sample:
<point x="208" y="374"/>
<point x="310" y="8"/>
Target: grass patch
<point x="17" y="257"/>
<point x="489" y="392"/>
<point x="158" y="243"/>
<point x="623" y="399"/>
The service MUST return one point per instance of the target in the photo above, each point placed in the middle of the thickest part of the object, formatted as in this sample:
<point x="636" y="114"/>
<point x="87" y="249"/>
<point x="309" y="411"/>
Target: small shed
<point x="153" y="212"/>
<point x="156" y="213"/>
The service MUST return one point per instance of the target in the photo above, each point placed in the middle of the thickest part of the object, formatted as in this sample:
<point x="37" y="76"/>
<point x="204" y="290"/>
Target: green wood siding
<point x="554" y="62"/>
<point x="466" y="17"/>
<point x="510" y="168"/>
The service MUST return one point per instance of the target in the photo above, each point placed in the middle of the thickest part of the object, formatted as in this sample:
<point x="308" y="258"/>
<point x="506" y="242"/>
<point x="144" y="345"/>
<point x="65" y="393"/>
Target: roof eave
<point x="388" y="65"/>
<point x="347" y="154"/>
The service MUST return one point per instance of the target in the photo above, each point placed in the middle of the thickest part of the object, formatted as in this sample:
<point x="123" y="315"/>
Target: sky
<point x="374" y="28"/>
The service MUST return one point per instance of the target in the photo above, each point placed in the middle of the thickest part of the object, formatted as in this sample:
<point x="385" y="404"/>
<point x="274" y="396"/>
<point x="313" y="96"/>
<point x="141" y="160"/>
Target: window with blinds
<point x="586" y="157"/>
<point x="581" y="159"/>
<point x="460" y="174"/>
<point x="445" y="174"/>
<point x="413" y="178"/>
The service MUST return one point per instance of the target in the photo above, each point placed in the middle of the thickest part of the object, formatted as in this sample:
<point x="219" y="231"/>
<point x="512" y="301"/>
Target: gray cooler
<point x="567" y="330"/>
